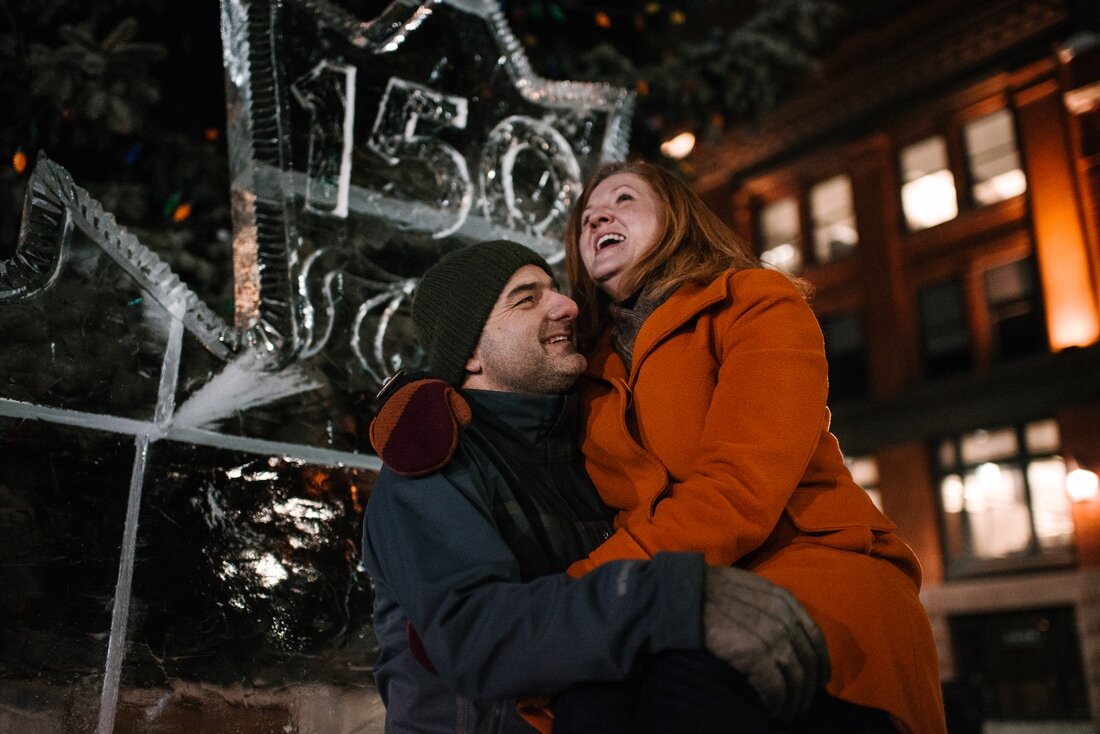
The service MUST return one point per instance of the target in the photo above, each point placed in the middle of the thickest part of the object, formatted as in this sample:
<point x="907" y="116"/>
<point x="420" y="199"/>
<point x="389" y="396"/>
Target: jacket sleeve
<point x="432" y="541"/>
<point x="765" y="419"/>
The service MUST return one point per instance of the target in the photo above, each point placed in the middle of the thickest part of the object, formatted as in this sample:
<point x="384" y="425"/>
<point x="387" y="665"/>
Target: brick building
<point x="939" y="185"/>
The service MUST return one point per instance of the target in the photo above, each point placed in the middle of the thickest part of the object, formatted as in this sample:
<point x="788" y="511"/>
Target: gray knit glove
<point x="762" y="631"/>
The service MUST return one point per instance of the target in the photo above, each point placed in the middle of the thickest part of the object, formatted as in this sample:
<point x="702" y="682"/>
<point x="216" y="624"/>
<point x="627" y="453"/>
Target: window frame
<point x="811" y="224"/>
<point x="798" y="186"/>
<point x="859" y="315"/>
<point x="950" y="124"/>
<point x="967" y="565"/>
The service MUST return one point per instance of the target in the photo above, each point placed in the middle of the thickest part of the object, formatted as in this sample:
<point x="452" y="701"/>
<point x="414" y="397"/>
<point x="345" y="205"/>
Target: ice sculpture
<point x="122" y="390"/>
<point x="360" y="152"/>
<point x="368" y="148"/>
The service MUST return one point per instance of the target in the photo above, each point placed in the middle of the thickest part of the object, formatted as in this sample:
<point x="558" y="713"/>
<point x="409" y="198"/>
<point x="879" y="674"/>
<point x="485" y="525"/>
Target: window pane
<point x="1015" y="310"/>
<point x="1008" y="501"/>
<point x="951" y="492"/>
<point x="779" y="231"/>
<point x="994" y="158"/>
<point x="1043" y="437"/>
<point x="947" y="454"/>
<point x="1046" y="479"/>
<point x="928" y="189"/>
<point x="846" y="354"/>
<point x="834" y="220"/>
<point x="864" y="470"/>
<point x="1000" y="524"/>
<point x="944" y="331"/>
<point x="982" y="446"/>
<point x="954" y="523"/>
<point x="876" y="498"/>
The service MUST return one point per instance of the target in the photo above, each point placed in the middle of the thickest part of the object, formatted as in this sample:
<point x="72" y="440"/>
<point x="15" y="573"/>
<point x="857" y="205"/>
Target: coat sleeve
<point x="432" y="542"/>
<point x="765" y="419"/>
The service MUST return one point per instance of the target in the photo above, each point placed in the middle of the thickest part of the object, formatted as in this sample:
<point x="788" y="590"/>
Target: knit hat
<point x="455" y="297"/>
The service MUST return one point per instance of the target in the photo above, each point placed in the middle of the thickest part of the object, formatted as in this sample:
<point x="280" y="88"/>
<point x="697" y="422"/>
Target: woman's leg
<point x="695" y="693"/>
<point x="675" y="693"/>
<point x="829" y="715"/>
<point x="597" y="708"/>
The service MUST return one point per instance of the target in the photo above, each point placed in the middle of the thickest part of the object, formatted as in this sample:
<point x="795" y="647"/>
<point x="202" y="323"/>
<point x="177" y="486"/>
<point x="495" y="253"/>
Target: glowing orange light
<point x="677" y="17"/>
<point x="355" y="500"/>
<point x="1061" y="246"/>
<point x="680" y="146"/>
<point x="642" y="87"/>
<point x="1063" y="264"/>
<point x="603" y="20"/>
<point x="211" y="134"/>
<point x="182" y="212"/>
<point x="652" y="8"/>
<point x="1082" y="485"/>
<point x="317" y="481"/>
<point x="19" y="161"/>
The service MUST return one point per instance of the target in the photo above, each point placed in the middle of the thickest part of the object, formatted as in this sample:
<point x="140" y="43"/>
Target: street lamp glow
<point x="1082" y="485"/>
<point x="678" y="147"/>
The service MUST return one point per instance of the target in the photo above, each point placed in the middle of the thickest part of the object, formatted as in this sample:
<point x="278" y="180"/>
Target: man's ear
<point x="473" y="364"/>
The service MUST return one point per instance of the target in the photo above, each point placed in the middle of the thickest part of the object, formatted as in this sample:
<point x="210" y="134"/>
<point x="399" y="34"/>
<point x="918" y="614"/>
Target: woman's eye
<point x="624" y="197"/>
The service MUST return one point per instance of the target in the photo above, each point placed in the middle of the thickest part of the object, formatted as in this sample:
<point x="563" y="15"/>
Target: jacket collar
<point x="527" y="416"/>
<point x="682" y="306"/>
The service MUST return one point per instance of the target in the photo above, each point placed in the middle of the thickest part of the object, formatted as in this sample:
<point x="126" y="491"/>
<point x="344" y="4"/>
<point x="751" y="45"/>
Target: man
<point x="484" y="501"/>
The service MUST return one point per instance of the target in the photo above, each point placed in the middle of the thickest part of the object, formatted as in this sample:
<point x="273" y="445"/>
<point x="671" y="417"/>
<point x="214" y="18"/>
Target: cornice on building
<point x="1023" y="389"/>
<point x="956" y="43"/>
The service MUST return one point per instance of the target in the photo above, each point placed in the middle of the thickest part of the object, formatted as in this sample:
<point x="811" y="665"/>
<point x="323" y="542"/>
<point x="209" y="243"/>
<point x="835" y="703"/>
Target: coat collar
<point x="682" y="306"/>
<point x="527" y="416"/>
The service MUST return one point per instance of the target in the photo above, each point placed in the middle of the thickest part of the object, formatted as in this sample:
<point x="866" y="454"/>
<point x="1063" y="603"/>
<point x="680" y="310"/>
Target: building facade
<point x="939" y="186"/>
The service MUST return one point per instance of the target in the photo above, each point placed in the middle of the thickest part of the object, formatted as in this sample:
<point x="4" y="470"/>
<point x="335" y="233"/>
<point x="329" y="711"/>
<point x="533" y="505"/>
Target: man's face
<point x="527" y="344"/>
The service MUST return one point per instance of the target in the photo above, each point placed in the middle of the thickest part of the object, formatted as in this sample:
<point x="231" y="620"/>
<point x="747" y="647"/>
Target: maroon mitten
<point x="416" y="429"/>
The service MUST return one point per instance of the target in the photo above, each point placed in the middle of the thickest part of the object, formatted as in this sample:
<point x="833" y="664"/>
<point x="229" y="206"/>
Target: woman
<point x="707" y="428"/>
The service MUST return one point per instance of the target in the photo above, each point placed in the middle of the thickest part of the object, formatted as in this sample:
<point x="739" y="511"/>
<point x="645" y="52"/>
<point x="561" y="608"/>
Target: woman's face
<point x="619" y="225"/>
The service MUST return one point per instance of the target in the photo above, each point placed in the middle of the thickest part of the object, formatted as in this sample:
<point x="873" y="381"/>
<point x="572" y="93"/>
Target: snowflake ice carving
<point x="368" y="148"/>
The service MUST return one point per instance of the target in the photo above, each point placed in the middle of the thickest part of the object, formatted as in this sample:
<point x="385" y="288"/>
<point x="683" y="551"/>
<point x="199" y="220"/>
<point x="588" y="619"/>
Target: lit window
<point x="779" y="232"/>
<point x="994" y="158"/>
<point x="1003" y="497"/>
<point x="928" y="187"/>
<point x="945" y="334"/>
<point x="1043" y="437"/>
<point x="864" y="471"/>
<point x="995" y="505"/>
<point x="982" y="447"/>
<point x="1050" y="503"/>
<point x="834" y="220"/>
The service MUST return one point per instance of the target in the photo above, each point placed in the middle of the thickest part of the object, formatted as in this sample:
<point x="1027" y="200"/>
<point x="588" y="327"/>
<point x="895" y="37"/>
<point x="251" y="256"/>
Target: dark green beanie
<point x="455" y="296"/>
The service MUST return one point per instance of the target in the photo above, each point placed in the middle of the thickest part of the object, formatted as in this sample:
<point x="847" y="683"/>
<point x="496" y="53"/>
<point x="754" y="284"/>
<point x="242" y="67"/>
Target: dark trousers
<point x="695" y="693"/>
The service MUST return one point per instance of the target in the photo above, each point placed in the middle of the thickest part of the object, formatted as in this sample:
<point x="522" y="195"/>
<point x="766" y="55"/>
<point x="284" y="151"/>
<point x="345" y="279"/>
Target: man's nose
<point x="562" y="308"/>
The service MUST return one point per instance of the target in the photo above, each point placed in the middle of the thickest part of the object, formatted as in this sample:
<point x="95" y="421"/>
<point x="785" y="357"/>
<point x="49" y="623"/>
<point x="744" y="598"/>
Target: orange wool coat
<point x="718" y="441"/>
